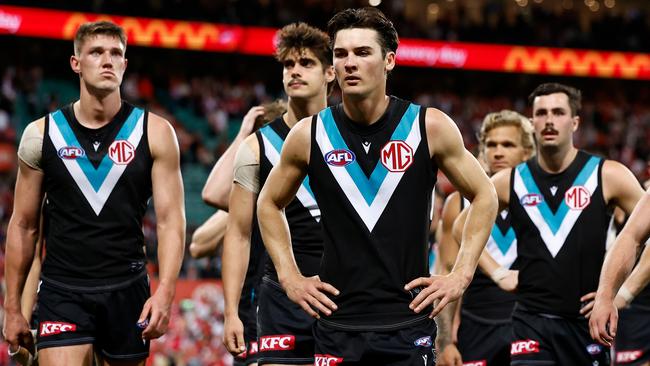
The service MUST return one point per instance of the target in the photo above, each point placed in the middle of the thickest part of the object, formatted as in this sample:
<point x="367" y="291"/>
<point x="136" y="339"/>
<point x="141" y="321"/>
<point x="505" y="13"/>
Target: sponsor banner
<point x="35" y="22"/>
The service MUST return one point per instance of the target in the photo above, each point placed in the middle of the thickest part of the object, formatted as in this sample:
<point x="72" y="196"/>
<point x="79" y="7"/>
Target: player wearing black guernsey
<point x="99" y="160"/>
<point x="631" y="339"/>
<point x="284" y="331"/>
<point x="559" y="203"/>
<point x="505" y="140"/>
<point x="372" y="163"/>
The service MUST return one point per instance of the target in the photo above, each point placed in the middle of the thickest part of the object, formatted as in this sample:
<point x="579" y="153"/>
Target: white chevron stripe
<point x="553" y="242"/>
<point x="97" y="200"/>
<point x="369" y="213"/>
<point x="504" y="260"/>
<point x="303" y="195"/>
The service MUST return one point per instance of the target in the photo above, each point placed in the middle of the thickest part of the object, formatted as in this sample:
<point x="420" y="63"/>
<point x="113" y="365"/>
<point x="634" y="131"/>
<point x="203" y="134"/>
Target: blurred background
<point x="203" y="63"/>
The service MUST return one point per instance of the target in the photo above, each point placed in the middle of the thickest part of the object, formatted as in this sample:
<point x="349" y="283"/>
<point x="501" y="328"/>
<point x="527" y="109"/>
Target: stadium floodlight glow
<point x="522" y="3"/>
<point x="595" y="6"/>
<point x="374" y="2"/>
<point x="433" y="9"/>
<point x="590" y="3"/>
<point x="609" y="3"/>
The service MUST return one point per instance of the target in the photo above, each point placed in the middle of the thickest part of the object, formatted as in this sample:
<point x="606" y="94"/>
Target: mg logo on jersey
<point x="340" y="157"/>
<point x="396" y="156"/>
<point x="277" y="342"/>
<point x="327" y="360"/>
<point x="628" y="356"/>
<point x="531" y="199"/>
<point x="524" y="347"/>
<point x="475" y="363"/>
<point x="71" y="152"/>
<point x="52" y="328"/>
<point x="577" y="197"/>
<point x="121" y="152"/>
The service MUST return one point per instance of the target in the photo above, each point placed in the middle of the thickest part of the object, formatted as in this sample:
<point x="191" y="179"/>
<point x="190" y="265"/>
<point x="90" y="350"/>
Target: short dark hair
<point x="574" y="94"/>
<point x="371" y="18"/>
<point x="91" y="29"/>
<point x="299" y="36"/>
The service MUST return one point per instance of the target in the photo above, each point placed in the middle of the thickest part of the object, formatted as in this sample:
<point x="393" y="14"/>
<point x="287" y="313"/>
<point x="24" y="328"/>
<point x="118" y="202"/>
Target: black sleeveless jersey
<point x="97" y="184"/>
<point x="373" y="185"/>
<point x="561" y="222"/>
<point x="302" y="213"/>
<point x="483" y="298"/>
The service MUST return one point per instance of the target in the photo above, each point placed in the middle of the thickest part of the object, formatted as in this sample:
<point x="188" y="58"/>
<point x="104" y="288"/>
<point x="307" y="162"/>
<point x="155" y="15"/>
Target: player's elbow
<point x="214" y="199"/>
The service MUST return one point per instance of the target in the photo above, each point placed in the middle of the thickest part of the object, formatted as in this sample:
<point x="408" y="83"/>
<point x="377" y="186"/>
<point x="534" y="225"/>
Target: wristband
<point x="12" y="354"/>
<point x="626" y="294"/>
<point x="499" y="274"/>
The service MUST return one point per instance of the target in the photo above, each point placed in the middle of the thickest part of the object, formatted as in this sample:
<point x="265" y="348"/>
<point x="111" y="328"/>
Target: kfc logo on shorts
<point x="531" y="199"/>
<point x="71" y="152"/>
<point x="253" y="349"/>
<point x="397" y="156"/>
<point x="524" y="347"/>
<point x="52" y="328"/>
<point x="475" y="363"/>
<point x="340" y="157"/>
<point x="282" y="342"/>
<point x="628" y="356"/>
<point x="121" y="152"/>
<point x="577" y="197"/>
<point x="327" y="360"/>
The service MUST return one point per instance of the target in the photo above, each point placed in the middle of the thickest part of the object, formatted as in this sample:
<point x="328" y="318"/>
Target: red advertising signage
<point x="212" y="37"/>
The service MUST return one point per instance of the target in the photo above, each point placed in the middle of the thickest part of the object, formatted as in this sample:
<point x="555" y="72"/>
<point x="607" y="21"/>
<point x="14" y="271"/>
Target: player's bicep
<point x="620" y="187"/>
<point x="242" y="210"/>
<point x="167" y="183"/>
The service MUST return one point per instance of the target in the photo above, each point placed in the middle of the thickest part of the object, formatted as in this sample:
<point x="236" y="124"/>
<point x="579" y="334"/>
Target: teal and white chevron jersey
<point x="303" y="214"/>
<point x="373" y="185"/>
<point x="483" y="298"/>
<point x="561" y="223"/>
<point x="97" y="183"/>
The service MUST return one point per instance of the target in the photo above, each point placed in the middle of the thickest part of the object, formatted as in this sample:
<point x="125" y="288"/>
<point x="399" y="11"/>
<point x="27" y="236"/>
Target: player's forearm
<point x="480" y="219"/>
<point x="617" y="265"/>
<point x="171" y="247"/>
<point x="216" y="191"/>
<point x="19" y="254"/>
<point x="444" y="321"/>
<point x="276" y="237"/>
<point x="640" y="275"/>
<point x="235" y="259"/>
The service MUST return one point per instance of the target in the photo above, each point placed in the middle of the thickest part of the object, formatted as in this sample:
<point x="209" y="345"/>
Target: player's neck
<point x="298" y="108"/>
<point x="365" y="110"/>
<point x="94" y="111"/>
<point x="556" y="160"/>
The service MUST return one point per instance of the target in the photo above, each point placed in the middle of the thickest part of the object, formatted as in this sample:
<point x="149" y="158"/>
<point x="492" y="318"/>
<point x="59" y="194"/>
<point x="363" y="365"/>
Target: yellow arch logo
<point x="605" y="65"/>
<point x="169" y="36"/>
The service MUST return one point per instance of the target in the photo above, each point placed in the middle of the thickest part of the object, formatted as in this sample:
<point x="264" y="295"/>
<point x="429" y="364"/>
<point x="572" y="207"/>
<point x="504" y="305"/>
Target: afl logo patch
<point x="577" y="197"/>
<point x="340" y="157"/>
<point x="71" y="152"/>
<point x="121" y="152"/>
<point x="531" y="199"/>
<point x="397" y="156"/>
<point x="423" y="342"/>
<point x="594" y="349"/>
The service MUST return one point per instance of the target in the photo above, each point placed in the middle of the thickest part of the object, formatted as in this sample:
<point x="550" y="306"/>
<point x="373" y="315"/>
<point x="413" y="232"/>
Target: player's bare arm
<point x="618" y="263"/>
<point x="208" y="237"/>
<point x="22" y="235"/>
<point x="280" y="188"/>
<point x="464" y="171"/>
<point x="216" y="191"/>
<point x="236" y="253"/>
<point x="169" y="206"/>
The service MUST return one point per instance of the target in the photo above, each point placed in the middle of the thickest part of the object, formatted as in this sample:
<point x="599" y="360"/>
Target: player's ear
<point x="389" y="61"/>
<point x="576" y="122"/>
<point x="74" y="64"/>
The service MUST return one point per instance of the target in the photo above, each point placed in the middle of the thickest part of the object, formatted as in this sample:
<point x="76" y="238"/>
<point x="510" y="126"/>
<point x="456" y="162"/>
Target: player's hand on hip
<point x="510" y="282"/>
<point x="16" y="330"/>
<point x="449" y="356"/>
<point x="446" y="288"/>
<point x="311" y="294"/>
<point x="155" y="313"/>
<point x="233" y="335"/>
<point x="603" y="322"/>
